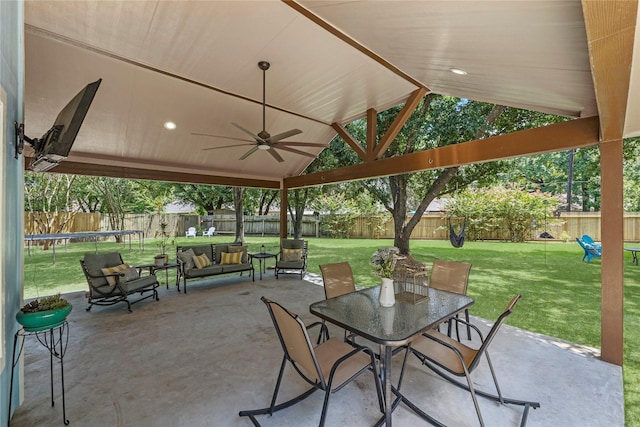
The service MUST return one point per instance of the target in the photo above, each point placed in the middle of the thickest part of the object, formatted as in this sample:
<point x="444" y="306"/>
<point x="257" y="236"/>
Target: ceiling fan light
<point x="263" y="147"/>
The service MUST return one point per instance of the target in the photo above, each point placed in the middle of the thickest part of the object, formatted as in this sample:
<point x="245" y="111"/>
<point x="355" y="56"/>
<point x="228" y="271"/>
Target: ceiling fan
<point x="263" y="140"/>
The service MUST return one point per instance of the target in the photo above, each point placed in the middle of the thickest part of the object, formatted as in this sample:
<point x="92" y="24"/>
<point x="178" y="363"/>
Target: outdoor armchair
<point x="191" y="232"/>
<point x="452" y="276"/>
<point x="328" y="367"/>
<point x="210" y="232"/>
<point x="590" y="251"/>
<point x="292" y="257"/>
<point x="444" y="356"/>
<point x="589" y="240"/>
<point x="111" y="280"/>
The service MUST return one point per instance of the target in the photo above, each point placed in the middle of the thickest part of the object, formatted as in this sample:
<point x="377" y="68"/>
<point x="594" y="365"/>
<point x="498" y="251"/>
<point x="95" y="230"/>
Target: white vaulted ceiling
<point x="195" y="63"/>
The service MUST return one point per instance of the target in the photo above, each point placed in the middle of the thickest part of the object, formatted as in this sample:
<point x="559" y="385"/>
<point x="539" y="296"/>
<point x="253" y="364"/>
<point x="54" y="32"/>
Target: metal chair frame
<point x="459" y="350"/>
<point x="313" y="375"/>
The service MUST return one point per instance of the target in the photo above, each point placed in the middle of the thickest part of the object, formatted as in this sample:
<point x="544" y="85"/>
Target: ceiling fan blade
<point x="248" y="132"/>
<point x="275" y="155"/>
<point x="283" y="135"/>
<point x="301" y="144"/>
<point x="221" y="136"/>
<point x="228" y="146"/>
<point x="248" y="153"/>
<point x="293" y="150"/>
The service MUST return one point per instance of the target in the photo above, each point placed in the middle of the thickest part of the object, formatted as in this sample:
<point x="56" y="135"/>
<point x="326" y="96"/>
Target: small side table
<point x="153" y="268"/>
<point x="262" y="263"/>
<point x="57" y="347"/>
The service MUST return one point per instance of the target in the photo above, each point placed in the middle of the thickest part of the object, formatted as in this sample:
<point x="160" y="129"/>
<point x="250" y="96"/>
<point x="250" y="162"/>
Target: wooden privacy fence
<point x="433" y="226"/>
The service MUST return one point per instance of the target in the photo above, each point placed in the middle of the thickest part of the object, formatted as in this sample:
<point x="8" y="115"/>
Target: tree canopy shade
<point x="438" y="121"/>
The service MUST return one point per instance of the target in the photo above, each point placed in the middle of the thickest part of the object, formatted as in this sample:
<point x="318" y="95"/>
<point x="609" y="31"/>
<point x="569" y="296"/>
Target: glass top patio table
<point x="390" y="327"/>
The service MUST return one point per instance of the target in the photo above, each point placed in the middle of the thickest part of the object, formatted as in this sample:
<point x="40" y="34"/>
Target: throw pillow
<point x="130" y="274"/>
<point x="230" y="258"/>
<point x="291" y="255"/>
<point x="114" y="270"/>
<point x="201" y="261"/>
<point x="187" y="258"/>
<point x="242" y="249"/>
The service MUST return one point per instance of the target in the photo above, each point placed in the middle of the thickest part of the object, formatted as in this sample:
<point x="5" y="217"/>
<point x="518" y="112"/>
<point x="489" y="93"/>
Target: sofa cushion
<point x="201" y="249"/>
<point x="202" y="272"/>
<point x="201" y="261"/>
<point x="96" y="262"/>
<point x="117" y="269"/>
<point x="237" y="248"/>
<point x="186" y="257"/>
<point x="219" y="248"/>
<point x="291" y="255"/>
<point x="231" y="268"/>
<point x="139" y="283"/>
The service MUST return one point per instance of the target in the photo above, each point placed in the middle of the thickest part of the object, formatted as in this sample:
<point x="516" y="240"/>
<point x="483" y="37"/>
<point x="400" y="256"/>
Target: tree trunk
<point x="238" y="195"/>
<point x="297" y="211"/>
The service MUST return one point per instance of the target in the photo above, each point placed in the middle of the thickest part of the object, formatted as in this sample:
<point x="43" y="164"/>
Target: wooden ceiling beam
<point x="372" y="133"/>
<point x="78" y="168"/>
<point x="400" y="120"/>
<point x="558" y="137"/>
<point x="610" y="27"/>
<point x="355" y="146"/>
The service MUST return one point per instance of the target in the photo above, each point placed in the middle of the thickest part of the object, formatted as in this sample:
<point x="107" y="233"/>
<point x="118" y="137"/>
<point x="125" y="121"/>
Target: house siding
<point x="11" y="193"/>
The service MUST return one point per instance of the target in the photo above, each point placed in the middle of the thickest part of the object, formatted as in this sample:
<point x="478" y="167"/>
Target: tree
<point x="206" y="198"/>
<point x="238" y="194"/>
<point x="47" y="196"/>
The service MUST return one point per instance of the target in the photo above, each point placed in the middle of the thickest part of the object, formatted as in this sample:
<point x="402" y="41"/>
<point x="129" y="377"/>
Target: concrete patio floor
<point x="200" y="358"/>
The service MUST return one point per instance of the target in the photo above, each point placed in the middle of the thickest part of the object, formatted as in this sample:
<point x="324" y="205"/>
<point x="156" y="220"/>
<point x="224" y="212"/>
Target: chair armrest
<point x="471" y="325"/>
<point x="447" y="345"/>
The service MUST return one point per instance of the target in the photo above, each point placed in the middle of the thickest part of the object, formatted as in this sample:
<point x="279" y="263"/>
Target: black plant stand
<point x="57" y="346"/>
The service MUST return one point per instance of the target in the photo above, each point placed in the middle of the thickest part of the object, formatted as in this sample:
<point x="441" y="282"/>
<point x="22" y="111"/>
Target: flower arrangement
<point x="384" y="261"/>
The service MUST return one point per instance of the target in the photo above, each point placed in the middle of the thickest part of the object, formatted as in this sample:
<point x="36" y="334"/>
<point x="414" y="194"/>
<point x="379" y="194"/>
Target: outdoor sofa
<point x="219" y="258"/>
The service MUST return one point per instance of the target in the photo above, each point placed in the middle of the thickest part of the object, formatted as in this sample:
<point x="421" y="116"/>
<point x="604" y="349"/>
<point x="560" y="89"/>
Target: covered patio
<point x="195" y="64"/>
<point x="200" y="358"/>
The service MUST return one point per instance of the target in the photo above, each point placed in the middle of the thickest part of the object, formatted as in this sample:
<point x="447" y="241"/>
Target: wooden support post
<point x="612" y="271"/>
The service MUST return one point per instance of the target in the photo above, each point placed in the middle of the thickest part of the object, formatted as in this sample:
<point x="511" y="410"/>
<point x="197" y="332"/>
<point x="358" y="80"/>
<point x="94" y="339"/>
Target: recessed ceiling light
<point x="169" y="125"/>
<point x="458" y="71"/>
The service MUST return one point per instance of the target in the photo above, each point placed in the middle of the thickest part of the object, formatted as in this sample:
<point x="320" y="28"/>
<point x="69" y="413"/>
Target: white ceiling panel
<point x="195" y="63"/>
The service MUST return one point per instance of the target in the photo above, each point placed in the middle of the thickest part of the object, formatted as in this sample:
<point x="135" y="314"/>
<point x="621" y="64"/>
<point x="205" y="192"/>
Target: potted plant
<point x="162" y="258"/>
<point x="384" y="262"/>
<point x="44" y="313"/>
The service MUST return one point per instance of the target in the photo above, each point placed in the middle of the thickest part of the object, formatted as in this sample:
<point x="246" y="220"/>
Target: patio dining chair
<point x="338" y="280"/>
<point x="452" y="276"/>
<point x="444" y="356"/>
<point x="329" y="367"/>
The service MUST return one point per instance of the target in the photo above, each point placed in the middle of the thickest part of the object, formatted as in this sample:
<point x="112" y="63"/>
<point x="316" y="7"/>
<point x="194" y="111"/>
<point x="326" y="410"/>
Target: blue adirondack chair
<point x="589" y="240"/>
<point x="590" y="251"/>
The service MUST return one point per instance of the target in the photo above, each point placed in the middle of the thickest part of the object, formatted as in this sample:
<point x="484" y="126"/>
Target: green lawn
<point x="561" y="294"/>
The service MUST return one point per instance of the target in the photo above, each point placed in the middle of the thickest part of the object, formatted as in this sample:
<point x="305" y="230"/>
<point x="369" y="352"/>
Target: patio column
<point x="612" y="271"/>
<point x="284" y="205"/>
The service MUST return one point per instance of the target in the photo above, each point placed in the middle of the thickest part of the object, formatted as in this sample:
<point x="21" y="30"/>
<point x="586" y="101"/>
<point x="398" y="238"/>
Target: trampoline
<point x="81" y="235"/>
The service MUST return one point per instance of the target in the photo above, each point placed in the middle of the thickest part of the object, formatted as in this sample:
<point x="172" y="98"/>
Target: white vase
<point x="387" y="295"/>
